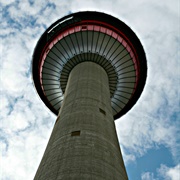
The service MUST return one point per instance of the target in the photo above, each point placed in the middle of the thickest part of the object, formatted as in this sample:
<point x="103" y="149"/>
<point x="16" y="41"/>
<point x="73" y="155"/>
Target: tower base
<point x="83" y="143"/>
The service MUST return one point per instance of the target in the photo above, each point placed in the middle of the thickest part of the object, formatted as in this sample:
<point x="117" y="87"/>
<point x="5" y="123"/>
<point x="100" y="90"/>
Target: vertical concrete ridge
<point x="83" y="144"/>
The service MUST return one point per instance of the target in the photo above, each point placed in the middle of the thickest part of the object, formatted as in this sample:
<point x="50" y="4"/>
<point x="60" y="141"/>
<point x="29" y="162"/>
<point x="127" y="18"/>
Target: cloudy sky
<point x="148" y="134"/>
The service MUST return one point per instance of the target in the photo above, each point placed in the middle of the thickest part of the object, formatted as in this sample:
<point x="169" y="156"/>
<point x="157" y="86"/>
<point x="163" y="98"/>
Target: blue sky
<point x="148" y="133"/>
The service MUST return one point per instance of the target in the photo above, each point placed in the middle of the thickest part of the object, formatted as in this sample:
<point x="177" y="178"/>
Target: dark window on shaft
<point x="102" y="111"/>
<point x="75" y="133"/>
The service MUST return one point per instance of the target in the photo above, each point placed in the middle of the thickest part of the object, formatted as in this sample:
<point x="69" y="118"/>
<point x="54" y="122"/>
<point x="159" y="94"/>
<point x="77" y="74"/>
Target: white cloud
<point x="156" y="122"/>
<point x="147" y="176"/>
<point x="19" y="160"/>
<point x="7" y="2"/>
<point x="170" y="173"/>
<point x="167" y="173"/>
<point x="138" y="133"/>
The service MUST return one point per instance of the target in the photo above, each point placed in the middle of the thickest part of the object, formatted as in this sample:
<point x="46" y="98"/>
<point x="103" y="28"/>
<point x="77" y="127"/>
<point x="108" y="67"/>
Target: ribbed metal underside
<point x="98" y="47"/>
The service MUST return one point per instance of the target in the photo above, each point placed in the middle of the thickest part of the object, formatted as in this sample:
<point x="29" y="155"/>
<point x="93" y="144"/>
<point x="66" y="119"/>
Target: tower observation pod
<point x="89" y="69"/>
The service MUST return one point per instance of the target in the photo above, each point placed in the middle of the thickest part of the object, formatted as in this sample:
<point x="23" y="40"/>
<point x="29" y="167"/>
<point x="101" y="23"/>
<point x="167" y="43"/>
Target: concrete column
<point x="84" y="144"/>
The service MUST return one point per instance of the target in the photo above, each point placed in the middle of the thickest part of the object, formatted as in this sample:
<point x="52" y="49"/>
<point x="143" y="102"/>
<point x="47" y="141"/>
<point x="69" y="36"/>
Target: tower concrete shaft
<point x="83" y="144"/>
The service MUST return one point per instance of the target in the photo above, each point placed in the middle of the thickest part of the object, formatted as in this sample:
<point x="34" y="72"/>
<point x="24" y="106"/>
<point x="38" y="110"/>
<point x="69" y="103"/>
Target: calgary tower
<point x="89" y="69"/>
